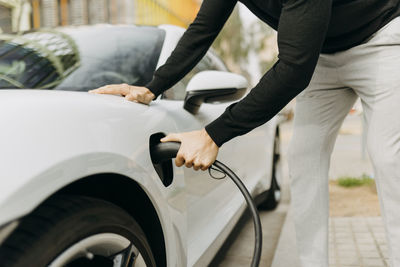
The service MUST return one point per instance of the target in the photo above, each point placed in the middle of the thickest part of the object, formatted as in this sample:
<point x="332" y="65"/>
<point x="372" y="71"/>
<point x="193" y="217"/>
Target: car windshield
<point x="36" y="60"/>
<point x="79" y="58"/>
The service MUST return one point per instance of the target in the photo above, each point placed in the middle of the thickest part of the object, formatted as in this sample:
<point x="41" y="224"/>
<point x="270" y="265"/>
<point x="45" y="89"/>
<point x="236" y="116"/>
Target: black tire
<point x="64" y="220"/>
<point x="273" y="198"/>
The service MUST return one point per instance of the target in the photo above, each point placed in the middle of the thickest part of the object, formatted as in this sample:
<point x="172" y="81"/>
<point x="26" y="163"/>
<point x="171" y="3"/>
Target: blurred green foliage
<point x="235" y="42"/>
<point x="356" y="181"/>
<point x="231" y="43"/>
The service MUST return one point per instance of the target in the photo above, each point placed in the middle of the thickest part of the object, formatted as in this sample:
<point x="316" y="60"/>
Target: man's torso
<point x="351" y="22"/>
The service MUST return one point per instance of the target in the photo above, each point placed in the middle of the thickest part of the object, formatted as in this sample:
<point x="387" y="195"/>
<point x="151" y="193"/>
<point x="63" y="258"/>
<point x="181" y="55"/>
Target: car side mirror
<point x="213" y="87"/>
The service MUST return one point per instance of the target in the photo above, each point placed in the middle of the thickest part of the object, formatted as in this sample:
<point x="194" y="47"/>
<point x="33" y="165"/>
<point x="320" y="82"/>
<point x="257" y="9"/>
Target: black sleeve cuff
<point x="156" y="86"/>
<point x="218" y="133"/>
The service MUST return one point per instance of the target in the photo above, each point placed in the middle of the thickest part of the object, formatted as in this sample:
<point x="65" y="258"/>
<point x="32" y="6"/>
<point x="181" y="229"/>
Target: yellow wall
<point x="145" y="12"/>
<point x="155" y="12"/>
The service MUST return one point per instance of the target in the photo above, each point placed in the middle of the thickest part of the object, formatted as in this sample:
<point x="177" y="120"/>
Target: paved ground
<point x="354" y="241"/>
<point x="348" y="149"/>
<point x="238" y="249"/>
<point x="357" y="241"/>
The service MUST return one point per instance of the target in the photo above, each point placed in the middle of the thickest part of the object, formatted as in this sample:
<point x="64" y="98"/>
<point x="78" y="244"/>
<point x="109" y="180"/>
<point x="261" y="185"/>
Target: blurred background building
<point x="16" y="15"/>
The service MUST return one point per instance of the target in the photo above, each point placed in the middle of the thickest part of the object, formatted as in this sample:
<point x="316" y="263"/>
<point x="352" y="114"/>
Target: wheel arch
<point x="122" y="192"/>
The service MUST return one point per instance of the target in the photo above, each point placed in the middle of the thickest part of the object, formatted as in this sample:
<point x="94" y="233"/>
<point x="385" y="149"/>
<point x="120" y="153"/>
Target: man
<point x="330" y="52"/>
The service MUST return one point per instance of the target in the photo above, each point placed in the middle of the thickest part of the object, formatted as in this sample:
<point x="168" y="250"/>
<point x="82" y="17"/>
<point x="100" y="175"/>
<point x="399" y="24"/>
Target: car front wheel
<point x="76" y="231"/>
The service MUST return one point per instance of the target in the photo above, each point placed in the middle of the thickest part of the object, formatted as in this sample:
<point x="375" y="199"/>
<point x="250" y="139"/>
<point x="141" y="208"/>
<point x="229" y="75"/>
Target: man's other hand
<point x="137" y="94"/>
<point x="197" y="149"/>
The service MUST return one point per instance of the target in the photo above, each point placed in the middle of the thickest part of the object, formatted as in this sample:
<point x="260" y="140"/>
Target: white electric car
<point x="77" y="183"/>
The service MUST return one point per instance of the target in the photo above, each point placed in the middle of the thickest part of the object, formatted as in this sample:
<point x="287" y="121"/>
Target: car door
<point x="214" y="206"/>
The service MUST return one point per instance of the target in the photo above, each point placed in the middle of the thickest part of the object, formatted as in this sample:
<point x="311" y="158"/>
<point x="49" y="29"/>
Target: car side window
<point x="126" y="55"/>
<point x="178" y="91"/>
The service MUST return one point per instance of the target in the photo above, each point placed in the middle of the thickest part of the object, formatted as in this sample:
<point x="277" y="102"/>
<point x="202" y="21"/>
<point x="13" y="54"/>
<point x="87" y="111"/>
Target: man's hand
<point x="132" y="93"/>
<point x="197" y="150"/>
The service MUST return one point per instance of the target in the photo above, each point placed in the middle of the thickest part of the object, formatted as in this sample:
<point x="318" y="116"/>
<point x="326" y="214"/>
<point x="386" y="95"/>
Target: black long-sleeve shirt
<point x="305" y="29"/>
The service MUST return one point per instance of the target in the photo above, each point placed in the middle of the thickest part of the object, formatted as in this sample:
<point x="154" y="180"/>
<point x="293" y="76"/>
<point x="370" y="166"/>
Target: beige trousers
<point x="370" y="71"/>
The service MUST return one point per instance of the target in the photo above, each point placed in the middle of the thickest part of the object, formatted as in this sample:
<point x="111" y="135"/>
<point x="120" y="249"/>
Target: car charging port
<point x="162" y="158"/>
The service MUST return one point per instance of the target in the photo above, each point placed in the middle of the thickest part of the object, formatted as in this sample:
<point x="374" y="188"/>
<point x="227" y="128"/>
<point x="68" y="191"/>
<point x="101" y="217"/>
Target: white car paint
<point x="213" y="79"/>
<point x="172" y="37"/>
<point x="50" y="139"/>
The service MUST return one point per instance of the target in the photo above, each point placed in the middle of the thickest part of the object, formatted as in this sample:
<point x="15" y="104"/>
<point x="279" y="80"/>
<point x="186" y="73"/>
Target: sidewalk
<point x="353" y="241"/>
<point x="357" y="241"/>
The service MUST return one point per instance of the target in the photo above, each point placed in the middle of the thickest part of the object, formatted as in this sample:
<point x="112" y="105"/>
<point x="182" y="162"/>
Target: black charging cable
<point x="166" y="151"/>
